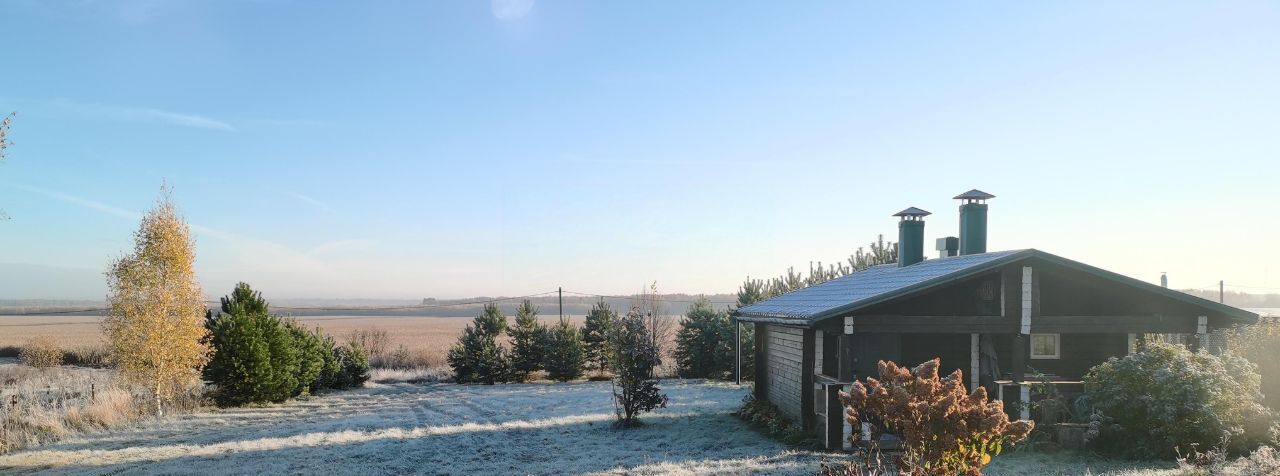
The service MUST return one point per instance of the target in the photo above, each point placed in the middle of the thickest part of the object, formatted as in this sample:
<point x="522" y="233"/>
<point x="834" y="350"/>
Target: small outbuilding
<point x="998" y="316"/>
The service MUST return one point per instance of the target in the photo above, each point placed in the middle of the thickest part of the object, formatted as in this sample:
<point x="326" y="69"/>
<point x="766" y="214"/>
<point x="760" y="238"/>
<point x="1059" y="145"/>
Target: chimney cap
<point x="974" y="194"/>
<point x="912" y="212"/>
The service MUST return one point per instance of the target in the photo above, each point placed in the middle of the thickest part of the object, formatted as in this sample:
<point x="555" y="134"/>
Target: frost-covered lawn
<point x="404" y="428"/>
<point x="438" y="429"/>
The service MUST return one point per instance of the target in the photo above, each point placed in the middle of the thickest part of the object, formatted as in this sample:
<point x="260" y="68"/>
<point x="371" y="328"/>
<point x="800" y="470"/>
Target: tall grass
<point x="43" y="405"/>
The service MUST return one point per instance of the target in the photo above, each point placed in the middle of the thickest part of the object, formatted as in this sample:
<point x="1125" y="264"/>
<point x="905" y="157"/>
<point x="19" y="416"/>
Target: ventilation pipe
<point x="948" y="246"/>
<point x="911" y="236"/>
<point x="973" y="221"/>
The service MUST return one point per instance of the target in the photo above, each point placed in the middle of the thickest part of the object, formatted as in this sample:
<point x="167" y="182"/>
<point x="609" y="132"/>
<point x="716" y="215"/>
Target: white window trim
<point x="1057" y="348"/>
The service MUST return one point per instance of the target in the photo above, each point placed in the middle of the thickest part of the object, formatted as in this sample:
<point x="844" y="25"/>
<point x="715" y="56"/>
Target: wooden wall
<point x="783" y="359"/>
<point x="1079" y="353"/>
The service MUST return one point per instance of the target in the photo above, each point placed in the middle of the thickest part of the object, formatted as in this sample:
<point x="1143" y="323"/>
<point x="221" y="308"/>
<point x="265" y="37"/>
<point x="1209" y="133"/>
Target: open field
<point x="430" y="335"/>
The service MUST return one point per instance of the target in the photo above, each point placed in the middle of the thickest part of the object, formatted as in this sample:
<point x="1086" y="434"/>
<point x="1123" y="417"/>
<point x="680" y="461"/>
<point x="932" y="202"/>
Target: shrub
<point x="943" y="429"/>
<point x="634" y="358"/>
<point x="565" y="354"/>
<point x="767" y="417"/>
<point x="595" y="334"/>
<point x="41" y="352"/>
<point x="1166" y="400"/>
<point x="477" y="357"/>
<point x="354" y="367"/>
<point x="704" y="343"/>
<point x="1260" y="343"/>
<point x="311" y="352"/>
<point x="374" y="341"/>
<point x="528" y="339"/>
<point x="331" y="368"/>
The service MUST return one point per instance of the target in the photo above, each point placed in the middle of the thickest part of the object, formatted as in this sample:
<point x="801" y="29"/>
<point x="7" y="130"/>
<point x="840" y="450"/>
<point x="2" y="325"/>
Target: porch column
<point x="737" y="345"/>
<point x="1024" y="328"/>
<point x="1202" y="332"/>
<point x="1020" y="342"/>
<point x="974" y="358"/>
<point x="846" y="372"/>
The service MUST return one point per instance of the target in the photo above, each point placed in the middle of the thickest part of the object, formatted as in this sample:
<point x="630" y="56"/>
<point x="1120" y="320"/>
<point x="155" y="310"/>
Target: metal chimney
<point x="948" y="246"/>
<point x="973" y="221"/>
<point x="911" y="236"/>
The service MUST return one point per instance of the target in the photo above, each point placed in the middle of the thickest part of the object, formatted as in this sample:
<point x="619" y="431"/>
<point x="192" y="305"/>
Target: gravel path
<point x="437" y="429"/>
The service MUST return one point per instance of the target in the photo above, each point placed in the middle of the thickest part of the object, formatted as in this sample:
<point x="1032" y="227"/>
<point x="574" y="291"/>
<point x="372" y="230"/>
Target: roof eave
<point x="921" y="286"/>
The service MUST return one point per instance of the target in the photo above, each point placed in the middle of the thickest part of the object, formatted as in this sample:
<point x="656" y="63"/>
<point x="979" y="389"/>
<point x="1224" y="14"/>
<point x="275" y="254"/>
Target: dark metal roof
<point x="912" y="212"/>
<point x="805" y="307"/>
<point x="974" y="194"/>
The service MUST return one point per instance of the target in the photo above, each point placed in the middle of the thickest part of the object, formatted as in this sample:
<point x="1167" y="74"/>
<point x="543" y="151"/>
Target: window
<point x="1045" y="346"/>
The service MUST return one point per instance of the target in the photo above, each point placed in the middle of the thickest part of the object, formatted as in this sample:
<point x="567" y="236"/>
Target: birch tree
<point x="4" y="143"/>
<point x="155" y="329"/>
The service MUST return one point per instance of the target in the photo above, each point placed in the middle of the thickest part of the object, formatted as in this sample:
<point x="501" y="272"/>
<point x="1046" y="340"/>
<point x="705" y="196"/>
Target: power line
<point x="634" y="296"/>
<point x="306" y="308"/>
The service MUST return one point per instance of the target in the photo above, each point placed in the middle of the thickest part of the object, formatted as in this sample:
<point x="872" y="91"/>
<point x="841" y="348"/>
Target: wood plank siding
<point x="784" y="358"/>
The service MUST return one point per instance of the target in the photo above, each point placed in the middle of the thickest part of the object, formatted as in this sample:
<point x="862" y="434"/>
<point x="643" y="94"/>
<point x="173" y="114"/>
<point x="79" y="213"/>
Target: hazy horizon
<point x="403" y="151"/>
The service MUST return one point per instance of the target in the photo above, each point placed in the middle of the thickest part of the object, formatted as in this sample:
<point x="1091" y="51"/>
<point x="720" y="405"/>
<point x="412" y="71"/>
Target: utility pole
<point x="1222" y="295"/>
<point x="560" y="293"/>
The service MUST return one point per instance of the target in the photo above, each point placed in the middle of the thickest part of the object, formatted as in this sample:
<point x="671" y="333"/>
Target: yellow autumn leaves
<point x="155" y="328"/>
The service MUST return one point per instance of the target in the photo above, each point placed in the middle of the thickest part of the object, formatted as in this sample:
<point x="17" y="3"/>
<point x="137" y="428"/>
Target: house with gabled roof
<point x="997" y="316"/>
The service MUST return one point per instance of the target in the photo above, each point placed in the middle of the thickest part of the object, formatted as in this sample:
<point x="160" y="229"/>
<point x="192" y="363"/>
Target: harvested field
<point x="429" y="335"/>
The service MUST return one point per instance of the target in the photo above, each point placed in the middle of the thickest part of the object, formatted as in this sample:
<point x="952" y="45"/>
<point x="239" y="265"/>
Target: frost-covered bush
<point x="704" y="343"/>
<point x="353" y="366"/>
<point x="477" y="357"/>
<point x="634" y="358"/>
<point x="943" y="428"/>
<point x="41" y="352"/>
<point x="564" y="354"/>
<point x="1260" y="343"/>
<point x="1167" y="400"/>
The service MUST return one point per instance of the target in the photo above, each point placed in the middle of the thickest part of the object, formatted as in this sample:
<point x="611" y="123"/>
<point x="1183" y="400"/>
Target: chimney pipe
<point x="948" y="246"/>
<point x="973" y="221"/>
<point x="910" y="236"/>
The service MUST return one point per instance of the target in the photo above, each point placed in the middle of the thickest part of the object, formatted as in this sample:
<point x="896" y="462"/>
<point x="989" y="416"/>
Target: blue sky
<point x="446" y="149"/>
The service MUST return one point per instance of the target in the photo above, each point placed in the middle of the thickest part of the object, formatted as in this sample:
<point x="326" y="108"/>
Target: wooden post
<point x="737" y="344"/>
<point x="1025" y="400"/>
<point x="1202" y="332"/>
<point x="762" y="362"/>
<point x="835" y="418"/>
<point x="1024" y="327"/>
<point x="974" y="358"/>
<point x="848" y="357"/>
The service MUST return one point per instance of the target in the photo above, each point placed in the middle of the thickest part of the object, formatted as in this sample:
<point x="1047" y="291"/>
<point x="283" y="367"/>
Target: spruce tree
<point x="565" y="353"/>
<point x="528" y="338"/>
<point x="599" y="325"/>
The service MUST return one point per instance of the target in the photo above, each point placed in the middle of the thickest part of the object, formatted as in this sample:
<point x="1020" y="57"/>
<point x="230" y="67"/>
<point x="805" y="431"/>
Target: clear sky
<point x="445" y="149"/>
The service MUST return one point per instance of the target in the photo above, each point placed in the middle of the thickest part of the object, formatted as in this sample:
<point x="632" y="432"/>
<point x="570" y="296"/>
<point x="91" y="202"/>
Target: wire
<point x="318" y="308"/>
<point x="54" y="313"/>
<point x="633" y="296"/>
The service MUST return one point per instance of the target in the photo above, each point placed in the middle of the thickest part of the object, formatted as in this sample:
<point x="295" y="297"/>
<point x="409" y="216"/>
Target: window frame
<point x="1057" y="347"/>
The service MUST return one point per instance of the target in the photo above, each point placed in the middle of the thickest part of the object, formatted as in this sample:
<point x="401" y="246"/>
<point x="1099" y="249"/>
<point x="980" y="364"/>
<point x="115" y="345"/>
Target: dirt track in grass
<point x="437" y="429"/>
